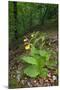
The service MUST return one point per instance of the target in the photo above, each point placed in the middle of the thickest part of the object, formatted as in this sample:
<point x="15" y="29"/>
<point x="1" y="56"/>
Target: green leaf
<point x="32" y="71"/>
<point x="51" y="64"/>
<point x="40" y="60"/>
<point x="34" y="50"/>
<point x="43" y="72"/>
<point x="30" y="60"/>
<point x="44" y="53"/>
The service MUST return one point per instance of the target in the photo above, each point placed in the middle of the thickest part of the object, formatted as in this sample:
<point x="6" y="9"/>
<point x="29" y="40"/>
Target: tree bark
<point x="15" y="20"/>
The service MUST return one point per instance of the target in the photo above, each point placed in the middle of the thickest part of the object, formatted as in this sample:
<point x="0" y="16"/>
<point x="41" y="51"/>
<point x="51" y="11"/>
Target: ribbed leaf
<point x="43" y="72"/>
<point x="32" y="71"/>
<point x="30" y="60"/>
<point x="45" y="54"/>
<point x="41" y="60"/>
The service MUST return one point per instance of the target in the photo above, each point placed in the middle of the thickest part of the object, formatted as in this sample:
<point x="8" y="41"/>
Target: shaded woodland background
<point x="28" y="17"/>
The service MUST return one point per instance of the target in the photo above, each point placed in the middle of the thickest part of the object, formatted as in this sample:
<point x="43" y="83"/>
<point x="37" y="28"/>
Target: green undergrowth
<point x="38" y="60"/>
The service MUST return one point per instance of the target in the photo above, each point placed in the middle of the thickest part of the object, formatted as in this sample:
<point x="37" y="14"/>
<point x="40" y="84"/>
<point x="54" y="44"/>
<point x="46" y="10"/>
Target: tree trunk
<point x="15" y="20"/>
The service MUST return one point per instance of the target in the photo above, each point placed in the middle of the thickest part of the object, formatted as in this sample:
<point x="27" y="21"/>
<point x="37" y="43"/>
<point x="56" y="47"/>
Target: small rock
<point x="54" y="78"/>
<point x="18" y="77"/>
<point x="34" y="81"/>
<point x="23" y="82"/>
<point x="37" y="84"/>
<point x="29" y="84"/>
<point x="46" y="80"/>
<point x="25" y="78"/>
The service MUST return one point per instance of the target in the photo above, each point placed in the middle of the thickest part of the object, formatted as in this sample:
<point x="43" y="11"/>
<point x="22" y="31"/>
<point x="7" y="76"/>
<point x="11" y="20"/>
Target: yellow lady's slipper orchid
<point x="27" y="47"/>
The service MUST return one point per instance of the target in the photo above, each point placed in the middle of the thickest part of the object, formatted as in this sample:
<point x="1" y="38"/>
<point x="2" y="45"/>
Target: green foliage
<point x="39" y="39"/>
<point x="29" y="59"/>
<point x="32" y="70"/>
<point x="30" y="15"/>
<point x="43" y="72"/>
<point x="13" y="83"/>
<point x="51" y="64"/>
<point x="37" y="61"/>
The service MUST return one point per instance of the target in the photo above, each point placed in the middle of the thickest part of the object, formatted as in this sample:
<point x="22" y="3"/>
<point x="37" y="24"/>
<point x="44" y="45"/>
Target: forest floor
<point x="24" y="81"/>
